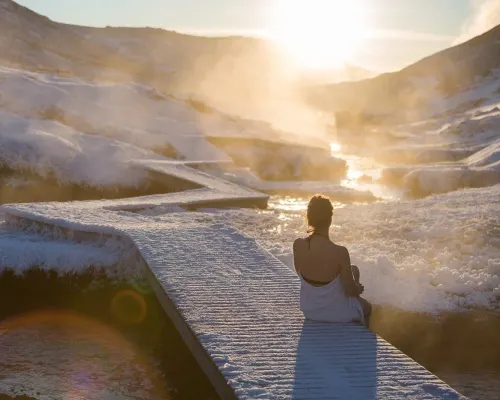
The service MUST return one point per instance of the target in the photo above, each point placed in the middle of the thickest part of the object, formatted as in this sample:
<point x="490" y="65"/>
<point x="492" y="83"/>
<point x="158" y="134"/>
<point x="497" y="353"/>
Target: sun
<point x="318" y="33"/>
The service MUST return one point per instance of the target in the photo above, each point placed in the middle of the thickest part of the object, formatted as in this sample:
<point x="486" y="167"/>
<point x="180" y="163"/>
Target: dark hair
<point x="319" y="213"/>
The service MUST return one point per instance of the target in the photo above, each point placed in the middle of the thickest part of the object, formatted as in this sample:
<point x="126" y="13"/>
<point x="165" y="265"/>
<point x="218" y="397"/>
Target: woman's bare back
<point x="317" y="259"/>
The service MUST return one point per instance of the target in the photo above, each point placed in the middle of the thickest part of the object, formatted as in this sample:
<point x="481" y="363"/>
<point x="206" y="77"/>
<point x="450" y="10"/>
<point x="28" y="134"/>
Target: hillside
<point x="77" y="104"/>
<point x="143" y="93"/>
<point x="34" y="42"/>
<point x="151" y="55"/>
<point x="422" y="88"/>
<point x="240" y="75"/>
<point x="243" y="76"/>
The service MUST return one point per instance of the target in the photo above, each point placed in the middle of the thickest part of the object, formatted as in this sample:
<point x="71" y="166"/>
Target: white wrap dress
<point x="329" y="303"/>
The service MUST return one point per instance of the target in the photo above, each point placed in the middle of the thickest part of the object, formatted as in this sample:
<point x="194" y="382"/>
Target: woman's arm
<point x="350" y="285"/>
<point x="295" y="257"/>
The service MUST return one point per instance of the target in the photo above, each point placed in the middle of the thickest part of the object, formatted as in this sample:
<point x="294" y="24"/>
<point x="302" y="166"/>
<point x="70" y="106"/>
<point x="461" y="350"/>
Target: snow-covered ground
<point x="86" y="132"/>
<point x="22" y="250"/>
<point x="446" y="154"/>
<point x="49" y="148"/>
<point x="137" y="113"/>
<point x="483" y="93"/>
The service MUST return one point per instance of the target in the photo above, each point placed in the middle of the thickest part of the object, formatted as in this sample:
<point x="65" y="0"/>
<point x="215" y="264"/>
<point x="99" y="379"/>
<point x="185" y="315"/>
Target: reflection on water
<point x="63" y="355"/>
<point x="287" y="203"/>
<point x="363" y="174"/>
<point x="290" y="204"/>
<point x="287" y="209"/>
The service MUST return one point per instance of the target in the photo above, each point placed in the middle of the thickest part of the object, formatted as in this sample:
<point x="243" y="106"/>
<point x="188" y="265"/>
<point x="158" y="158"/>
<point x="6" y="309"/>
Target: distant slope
<point x="239" y="75"/>
<point x="417" y="87"/>
<point x="30" y="40"/>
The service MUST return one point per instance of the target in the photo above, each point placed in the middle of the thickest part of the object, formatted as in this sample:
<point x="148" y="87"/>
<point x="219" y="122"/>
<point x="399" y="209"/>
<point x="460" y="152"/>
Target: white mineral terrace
<point x="236" y="305"/>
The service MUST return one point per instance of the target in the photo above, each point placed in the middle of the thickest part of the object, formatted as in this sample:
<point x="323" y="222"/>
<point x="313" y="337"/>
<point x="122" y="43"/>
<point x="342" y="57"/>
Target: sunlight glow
<point x="318" y="33"/>
<point x="354" y="174"/>
<point x="335" y="148"/>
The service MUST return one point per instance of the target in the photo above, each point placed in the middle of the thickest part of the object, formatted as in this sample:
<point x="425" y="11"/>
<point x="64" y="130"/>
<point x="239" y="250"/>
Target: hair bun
<point x="319" y="212"/>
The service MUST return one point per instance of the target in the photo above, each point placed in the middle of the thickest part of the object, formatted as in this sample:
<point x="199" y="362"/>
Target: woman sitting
<point x="330" y="289"/>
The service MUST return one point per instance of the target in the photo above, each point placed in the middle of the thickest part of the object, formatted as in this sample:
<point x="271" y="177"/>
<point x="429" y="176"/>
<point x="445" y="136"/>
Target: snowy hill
<point x="435" y="125"/>
<point x="240" y="76"/>
<point x="31" y="40"/>
<point x="70" y="95"/>
<point x="34" y="42"/>
<point x="153" y="56"/>
<point x="424" y="88"/>
<point x="148" y="93"/>
<point x="171" y="62"/>
<point x="87" y="133"/>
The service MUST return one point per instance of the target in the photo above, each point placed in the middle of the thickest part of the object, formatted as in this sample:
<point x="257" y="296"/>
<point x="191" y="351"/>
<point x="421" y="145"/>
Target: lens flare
<point x="63" y="354"/>
<point x="129" y="307"/>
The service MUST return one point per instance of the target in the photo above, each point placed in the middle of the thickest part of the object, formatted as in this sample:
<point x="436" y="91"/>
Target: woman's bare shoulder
<point x="299" y="242"/>
<point x="338" y="249"/>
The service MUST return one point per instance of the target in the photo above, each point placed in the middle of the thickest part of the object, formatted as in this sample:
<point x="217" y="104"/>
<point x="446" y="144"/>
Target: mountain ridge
<point x="440" y="75"/>
<point x="234" y="70"/>
<point x="92" y="45"/>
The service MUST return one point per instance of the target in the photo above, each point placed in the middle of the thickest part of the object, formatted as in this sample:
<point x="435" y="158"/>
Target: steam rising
<point x="255" y="81"/>
<point x="485" y="16"/>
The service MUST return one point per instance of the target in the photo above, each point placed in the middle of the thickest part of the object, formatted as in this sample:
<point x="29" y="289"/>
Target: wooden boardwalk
<point x="236" y="306"/>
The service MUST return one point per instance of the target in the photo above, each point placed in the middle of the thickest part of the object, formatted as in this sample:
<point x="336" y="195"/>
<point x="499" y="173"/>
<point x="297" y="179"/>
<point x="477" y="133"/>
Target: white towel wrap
<point x="329" y="303"/>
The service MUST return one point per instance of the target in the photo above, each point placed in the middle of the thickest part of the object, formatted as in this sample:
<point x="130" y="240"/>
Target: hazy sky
<point x="400" y="31"/>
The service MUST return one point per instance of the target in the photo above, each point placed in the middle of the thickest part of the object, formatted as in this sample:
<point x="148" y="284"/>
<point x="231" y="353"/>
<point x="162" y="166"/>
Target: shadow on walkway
<point x="335" y="361"/>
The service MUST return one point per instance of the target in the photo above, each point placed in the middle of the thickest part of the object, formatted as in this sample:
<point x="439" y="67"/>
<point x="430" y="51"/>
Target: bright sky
<point x="377" y="34"/>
